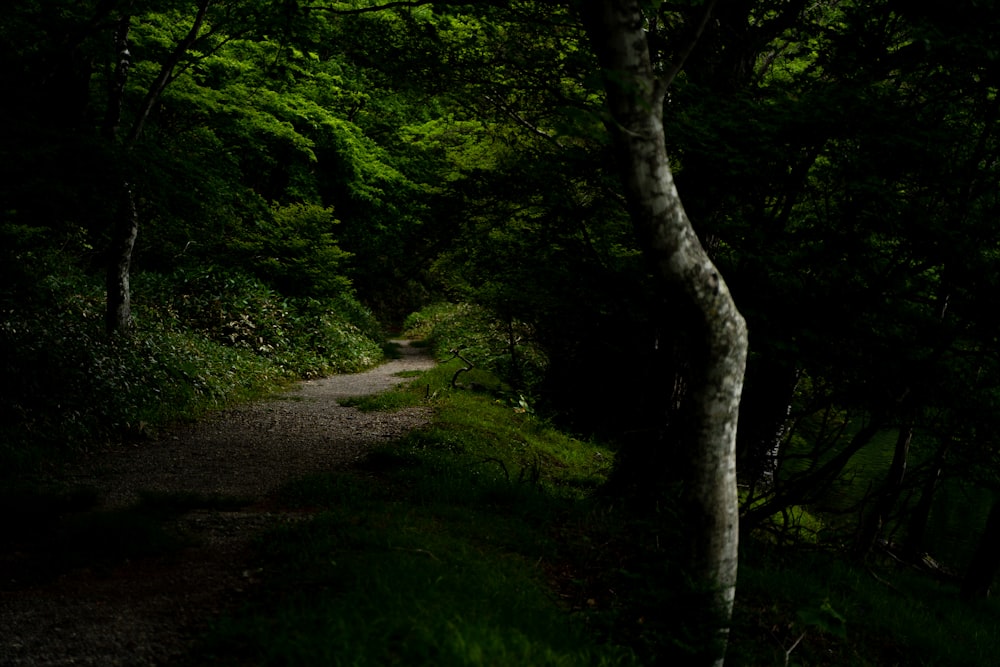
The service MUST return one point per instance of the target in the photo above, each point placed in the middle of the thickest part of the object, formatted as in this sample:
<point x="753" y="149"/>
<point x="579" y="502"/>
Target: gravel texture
<point x="149" y="611"/>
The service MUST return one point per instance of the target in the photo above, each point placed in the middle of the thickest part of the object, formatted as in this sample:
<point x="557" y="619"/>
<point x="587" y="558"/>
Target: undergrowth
<point x="436" y="551"/>
<point x="486" y="539"/>
<point x="203" y="340"/>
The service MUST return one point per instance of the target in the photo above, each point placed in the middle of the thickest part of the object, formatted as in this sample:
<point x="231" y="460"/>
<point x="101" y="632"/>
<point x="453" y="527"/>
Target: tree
<point x="118" y="315"/>
<point x="635" y="96"/>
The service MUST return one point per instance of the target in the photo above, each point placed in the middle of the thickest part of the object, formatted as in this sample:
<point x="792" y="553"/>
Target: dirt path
<point x="147" y="611"/>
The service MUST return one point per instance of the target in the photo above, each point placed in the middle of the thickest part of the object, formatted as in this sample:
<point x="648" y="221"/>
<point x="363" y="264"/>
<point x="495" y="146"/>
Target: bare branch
<point x="520" y="120"/>
<point x="682" y="57"/>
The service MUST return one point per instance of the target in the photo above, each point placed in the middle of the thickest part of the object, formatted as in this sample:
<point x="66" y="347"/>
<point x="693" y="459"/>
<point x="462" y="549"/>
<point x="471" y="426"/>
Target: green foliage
<point x="839" y="163"/>
<point x="505" y="348"/>
<point x="851" y="616"/>
<point x="296" y="251"/>
<point x="204" y="340"/>
<point x="304" y="336"/>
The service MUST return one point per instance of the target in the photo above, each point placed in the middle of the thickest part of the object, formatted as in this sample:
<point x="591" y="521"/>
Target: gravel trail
<point x="150" y="610"/>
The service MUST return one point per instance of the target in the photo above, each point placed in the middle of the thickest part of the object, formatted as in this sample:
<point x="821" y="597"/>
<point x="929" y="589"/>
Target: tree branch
<point x="676" y="67"/>
<point x="164" y="77"/>
<point x="367" y="10"/>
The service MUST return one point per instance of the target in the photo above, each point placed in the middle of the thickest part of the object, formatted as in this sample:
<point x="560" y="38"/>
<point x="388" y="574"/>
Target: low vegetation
<point x="204" y="339"/>
<point x="437" y="551"/>
<point x="486" y="539"/>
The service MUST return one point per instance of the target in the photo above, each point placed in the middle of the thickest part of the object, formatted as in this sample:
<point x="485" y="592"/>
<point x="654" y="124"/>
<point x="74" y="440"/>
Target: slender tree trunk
<point x="118" y="312"/>
<point x="916" y="528"/>
<point x="886" y="497"/>
<point x="119" y="293"/>
<point x="635" y="99"/>
<point x="986" y="561"/>
<point x="116" y="93"/>
<point x="764" y="415"/>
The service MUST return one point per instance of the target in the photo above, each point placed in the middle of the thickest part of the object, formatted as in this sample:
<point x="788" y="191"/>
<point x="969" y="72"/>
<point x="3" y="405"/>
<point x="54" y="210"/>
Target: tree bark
<point x="118" y="309"/>
<point x="116" y="95"/>
<point x="635" y="99"/>
<point x="764" y="416"/>
<point x="119" y="292"/>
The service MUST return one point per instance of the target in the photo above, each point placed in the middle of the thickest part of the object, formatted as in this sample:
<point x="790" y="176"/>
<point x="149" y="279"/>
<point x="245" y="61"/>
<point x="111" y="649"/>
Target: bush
<point x="502" y="347"/>
<point x="203" y="340"/>
<point x="304" y="336"/>
<point x="295" y="251"/>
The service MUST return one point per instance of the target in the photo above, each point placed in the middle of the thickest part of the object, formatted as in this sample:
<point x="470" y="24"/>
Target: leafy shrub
<point x="304" y="336"/>
<point x="203" y="340"/>
<point x="295" y="251"/>
<point x="71" y="387"/>
<point x="503" y="347"/>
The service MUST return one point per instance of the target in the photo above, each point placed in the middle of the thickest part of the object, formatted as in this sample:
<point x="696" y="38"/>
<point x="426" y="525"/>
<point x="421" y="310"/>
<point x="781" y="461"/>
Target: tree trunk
<point x="886" y="497"/>
<point x="986" y="561"/>
<point x="916" y="528"/>
<point x="764" y="416"/>
<point x="116" y="94"/>
<point x="118" y="316"/>
<point x="118" y="311"/>
<point x="635" y="99"/>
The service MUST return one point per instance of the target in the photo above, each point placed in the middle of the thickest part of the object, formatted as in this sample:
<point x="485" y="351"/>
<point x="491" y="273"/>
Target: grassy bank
<point x="484" y="539"/>
<point x="439" y="550"/>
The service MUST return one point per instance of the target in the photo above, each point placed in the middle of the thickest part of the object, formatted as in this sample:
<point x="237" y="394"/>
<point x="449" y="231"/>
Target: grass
<point x="381" y="402"/>
<point x="847" y="615"/>
<point x="485" y="539"/>
<point x="436" y="552"/>
<point x="400" y="586"/>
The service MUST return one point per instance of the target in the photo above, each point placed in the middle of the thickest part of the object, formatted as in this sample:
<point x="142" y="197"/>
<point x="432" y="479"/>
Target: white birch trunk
<point x="635" y="99"/>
